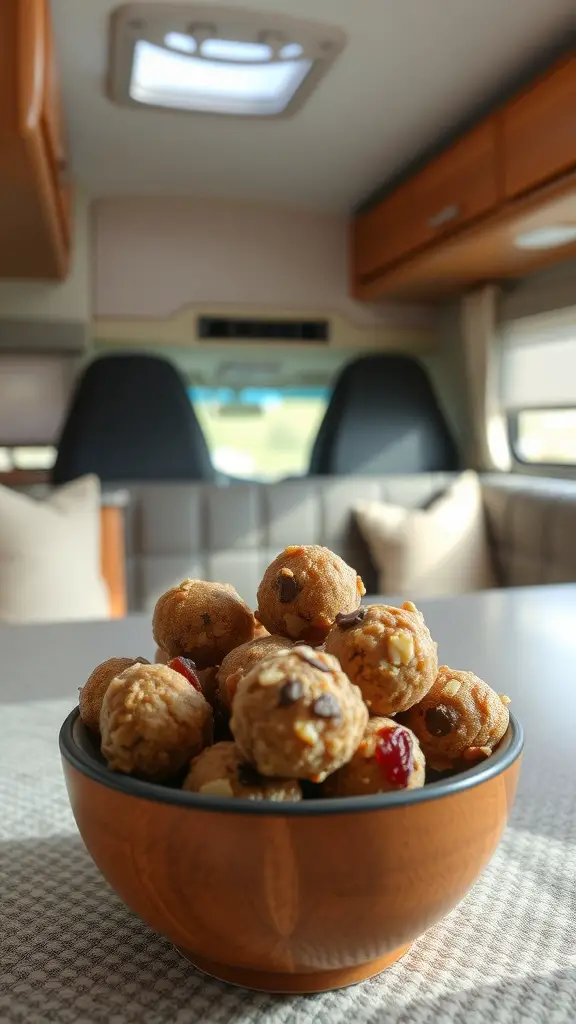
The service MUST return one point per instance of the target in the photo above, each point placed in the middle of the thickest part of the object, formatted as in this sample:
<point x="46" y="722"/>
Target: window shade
<point x="34" y="392"/>
<point x="539" y="361"/>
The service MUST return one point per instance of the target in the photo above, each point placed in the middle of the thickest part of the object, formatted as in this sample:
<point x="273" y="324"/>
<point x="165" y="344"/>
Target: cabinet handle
<point x="62" y="169"/>
<point x="444" y="216"/>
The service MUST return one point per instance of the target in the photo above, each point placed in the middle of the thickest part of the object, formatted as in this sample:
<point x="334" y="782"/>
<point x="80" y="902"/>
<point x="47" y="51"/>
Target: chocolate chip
<point x="345" y="620"/>
<point x="327" y="706"/>
<point x="290" y="692"/>
<point x="310" y="658"/>
<point x="288" y="588"/>
<point x="248" y="776"/>
<point x="206" y="619"/>
<point x="441" y="720"/>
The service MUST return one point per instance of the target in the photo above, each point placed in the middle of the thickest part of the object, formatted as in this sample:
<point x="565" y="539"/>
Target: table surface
<point x="71" y="952"/>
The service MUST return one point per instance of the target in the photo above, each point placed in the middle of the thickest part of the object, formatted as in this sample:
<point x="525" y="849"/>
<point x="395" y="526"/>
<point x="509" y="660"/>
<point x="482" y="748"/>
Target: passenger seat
<point x="383" y="417"/>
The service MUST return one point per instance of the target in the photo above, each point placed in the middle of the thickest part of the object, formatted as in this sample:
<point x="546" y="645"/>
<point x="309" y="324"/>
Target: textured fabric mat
<point x="70" y="952"/>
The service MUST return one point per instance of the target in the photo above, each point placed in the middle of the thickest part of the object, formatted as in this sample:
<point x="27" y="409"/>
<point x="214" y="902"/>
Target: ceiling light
<point x="235" y="50"/>
<point x="180" y="41"/>
<point x="166" y="79"/>
<point x="546" y="238"/>
<point x="217" y="60"/>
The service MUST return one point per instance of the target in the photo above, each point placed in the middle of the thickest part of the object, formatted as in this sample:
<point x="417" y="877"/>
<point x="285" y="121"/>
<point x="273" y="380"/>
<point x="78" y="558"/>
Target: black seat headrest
<point x="383" y="417"/>
<point x="131" y="419"/>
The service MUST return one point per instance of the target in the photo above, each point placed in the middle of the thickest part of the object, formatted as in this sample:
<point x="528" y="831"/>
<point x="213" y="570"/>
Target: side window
<point x="260" y="433"/>
<point x="539" y="387"/>
<point x="545" y="436"/>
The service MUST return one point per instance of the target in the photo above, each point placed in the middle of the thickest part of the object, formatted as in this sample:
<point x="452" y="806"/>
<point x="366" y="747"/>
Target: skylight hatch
<point x="214" y="60"/>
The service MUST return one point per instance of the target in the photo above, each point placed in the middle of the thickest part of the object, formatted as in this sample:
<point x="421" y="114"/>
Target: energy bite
<point x="388" y="758"/>
<point x="153" y="722"/>
<point x="239" y="661"/>
<point x="220" y="771"/>
<point x="92" y="693"/>
<point x="460" y="721"/>
<point x="303" y="590"/>
<point x="297" y="716"/>
<point x="202" y="621"/>
<point x="388" y="652"/>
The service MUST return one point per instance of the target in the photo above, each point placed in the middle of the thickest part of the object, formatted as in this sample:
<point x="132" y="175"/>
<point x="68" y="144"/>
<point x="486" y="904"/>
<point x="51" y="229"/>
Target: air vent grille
<point x="220" y="329"/>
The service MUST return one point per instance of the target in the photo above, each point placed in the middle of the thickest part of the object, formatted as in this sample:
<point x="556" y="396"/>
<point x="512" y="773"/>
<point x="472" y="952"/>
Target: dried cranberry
<point x="186" y="668"/>
<point x="394" y="755"/>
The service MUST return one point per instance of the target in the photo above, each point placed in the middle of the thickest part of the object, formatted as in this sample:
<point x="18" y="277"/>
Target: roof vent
<point x="217" y="60"/>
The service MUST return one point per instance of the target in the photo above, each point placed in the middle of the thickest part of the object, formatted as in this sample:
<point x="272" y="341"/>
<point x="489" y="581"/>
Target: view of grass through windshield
<point x="260" y="433"/>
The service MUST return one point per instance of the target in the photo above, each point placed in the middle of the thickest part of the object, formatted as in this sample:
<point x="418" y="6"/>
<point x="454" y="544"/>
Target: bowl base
<point x="284" y="983"/>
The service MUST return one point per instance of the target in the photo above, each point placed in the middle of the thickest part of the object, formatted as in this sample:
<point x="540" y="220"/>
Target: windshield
<point x="260" y="433"/>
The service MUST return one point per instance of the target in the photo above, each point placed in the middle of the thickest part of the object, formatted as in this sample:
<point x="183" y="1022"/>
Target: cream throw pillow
<point x="50" y="555"/>
<point x="434" y="551"/>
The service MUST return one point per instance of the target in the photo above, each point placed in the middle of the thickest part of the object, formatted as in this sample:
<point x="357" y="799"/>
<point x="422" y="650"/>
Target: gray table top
<point x="71" y="952"/>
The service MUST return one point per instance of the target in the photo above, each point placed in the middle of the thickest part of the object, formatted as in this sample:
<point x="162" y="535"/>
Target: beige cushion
<point x="50" y="555"/>
<point x="429" y="552"/>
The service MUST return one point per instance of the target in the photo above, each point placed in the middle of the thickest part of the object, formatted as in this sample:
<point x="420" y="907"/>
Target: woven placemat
<point x="71" y="952"/>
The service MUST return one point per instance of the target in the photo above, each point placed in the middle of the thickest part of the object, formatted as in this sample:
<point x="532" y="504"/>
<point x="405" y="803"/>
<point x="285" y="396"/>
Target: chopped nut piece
<point x="270" y="676"/>
<point x="408" y="606"/>
<point x="476" y="753"/>
<point x="451" y="688"/>
<point x="217" y="787"/>
<point x="295" y="624"/>
<point x="401" y="648"/>
<point x="504" y="698"/>
<point x="306" y="732"/>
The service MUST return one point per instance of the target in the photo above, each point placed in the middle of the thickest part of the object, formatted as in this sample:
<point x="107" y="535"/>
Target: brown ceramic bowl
<point x="290" y="898"/>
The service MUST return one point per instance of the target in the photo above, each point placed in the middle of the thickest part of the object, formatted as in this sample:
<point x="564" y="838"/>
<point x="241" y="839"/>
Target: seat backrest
<point x="383" y="417"/>
<point x="131" y="419"/>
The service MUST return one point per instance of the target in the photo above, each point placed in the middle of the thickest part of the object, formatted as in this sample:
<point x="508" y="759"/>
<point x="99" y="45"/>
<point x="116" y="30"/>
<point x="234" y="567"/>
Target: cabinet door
<point x="455" y="188"/>
<point x="460" y="185"/>
<point x="539" y="130"/>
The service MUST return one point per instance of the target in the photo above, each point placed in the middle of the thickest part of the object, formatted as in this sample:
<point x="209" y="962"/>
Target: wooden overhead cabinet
<point x="457" y="222"/>
<point x="34" y="187"/>
<point x="539" y="131"/>
<point x="451" y="191"/>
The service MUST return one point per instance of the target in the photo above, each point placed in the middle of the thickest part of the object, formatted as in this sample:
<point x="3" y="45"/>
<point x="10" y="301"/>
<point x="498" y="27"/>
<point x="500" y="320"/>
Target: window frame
<point x="513" y="420"/>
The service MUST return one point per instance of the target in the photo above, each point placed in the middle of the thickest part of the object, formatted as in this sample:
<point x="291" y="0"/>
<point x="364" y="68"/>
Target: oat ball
<point x="202" y="621"/>
<point x="239" y="661"/>
<point x="92" y="693"/>
<point x="388" y="652"/>
<point x="153" y="722"/>
<point x="389" y="758"/>
<point x="297" y="716"/>
<point x="460" y="721"/>
<point x="220" y="771"/>
<point x="303" y="590"/>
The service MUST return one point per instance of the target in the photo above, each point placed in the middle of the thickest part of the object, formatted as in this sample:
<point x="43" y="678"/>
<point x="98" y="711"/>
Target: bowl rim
<point x="506" y="753"/>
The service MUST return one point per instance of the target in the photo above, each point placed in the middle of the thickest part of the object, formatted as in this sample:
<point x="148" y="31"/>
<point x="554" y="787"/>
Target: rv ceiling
<point x="410" y="70"/>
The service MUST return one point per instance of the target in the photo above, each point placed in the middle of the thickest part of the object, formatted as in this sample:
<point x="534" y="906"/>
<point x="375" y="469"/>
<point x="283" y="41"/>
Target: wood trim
<point x="113" y="558"/>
